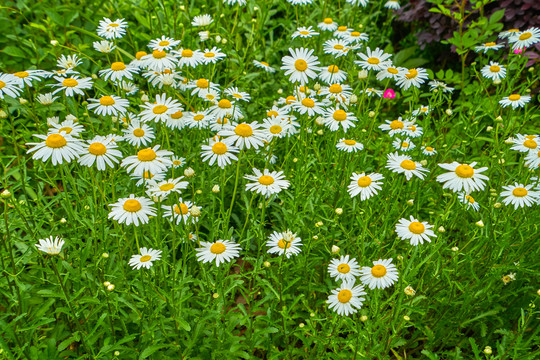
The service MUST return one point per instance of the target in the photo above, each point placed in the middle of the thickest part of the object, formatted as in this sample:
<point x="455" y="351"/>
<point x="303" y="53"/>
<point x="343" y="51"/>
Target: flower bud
<point x="3" y="114"/>
<point x="441" y="229"/>
<point x="409" y="290"/>
<point x="423" y="162"/>
<point x="353" y="99"/>
<point x="489" y="128"/>
<point x="195" y="211"/>
<point x="22" y="101"/>
<point x="117" y="353"/>
<point x="339" y="211"/>
<point x="449" y="112"/>
<point x="406" y="318"/>
<point x="399" y="257"/>
<point x="410" y="202"/>
<point x="480" y="223"/>
<point x="301" y="325"/>
<point x="54" y="42"/>
<point x="455" y="249"/>
<point x="320" y="132"/>
<point x="266" y="264"/>
<point x="319" y="121"/>
<point x="215" y="295"/>
<point x="110" y="287"/>
<point x="198" y="192"/>
<point x="496" y="82"/>
<point x="488" y="350"/>
<point x="189" y="172"/>
<point x="498" y="119"/>
<point x="335" y="249"/>
<point x="372" y="114"/>
<point x="215" y="189"/>
<point x="497" y="205"/>
<point x="6" y="194"/>
<point x="363" y="318"/>
<point x="63" y="221"/>
<point x="105" y="255"/>
<point x="362" y="74"/>
<point x="106" y="283"/>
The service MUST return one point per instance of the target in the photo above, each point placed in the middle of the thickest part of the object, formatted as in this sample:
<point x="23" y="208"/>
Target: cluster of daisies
<point x="202" y="104"/>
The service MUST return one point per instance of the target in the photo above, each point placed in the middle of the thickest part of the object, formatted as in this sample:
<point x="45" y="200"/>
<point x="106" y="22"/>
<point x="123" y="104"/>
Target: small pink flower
<point x="389" y="94"/>
<point x="518" y="51"/>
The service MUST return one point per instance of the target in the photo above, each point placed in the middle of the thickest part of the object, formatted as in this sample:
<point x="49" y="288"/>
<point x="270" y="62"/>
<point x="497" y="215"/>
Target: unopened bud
<point x="215" y="295"/>
<point x="488" y="350"/>
<point x="480" y="223"/>
<point x="497" y="205"/>
<point x="54" y="42"/>
<point x="441" y="229"/>
<point x="6" y="194"/>
<point x="455" y="249"/>
<point x="266" y="264"/>
<point x="22" y="101"/>
<point x="409" y="291"/>
<point x="3" y="114"/>
<point x="353" y="99"/>
<point x="449" y="112"/>
<point x="372" y="114"/>
<point x="339" y="211"/>
<point x="362" y="74"/>
<point x="145" y="98"/>
<point x="195" y="211"/>
<point x="215" y="189"/>
<point x="63" y="221"/>
<point x="106" y="283"/>
<point x="363" y="318"/>
<point x="110" y="287"/>
<point x="335" y="249"/>
<point x="105" y="255"/>
<point x="423" y="162"/>
<point x="189" y="172"/>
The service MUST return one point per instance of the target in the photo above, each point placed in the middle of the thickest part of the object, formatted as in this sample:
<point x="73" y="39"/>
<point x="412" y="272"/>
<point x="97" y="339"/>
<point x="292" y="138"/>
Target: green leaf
<point x="14" y="51"/>
<point x="150" y="350"/>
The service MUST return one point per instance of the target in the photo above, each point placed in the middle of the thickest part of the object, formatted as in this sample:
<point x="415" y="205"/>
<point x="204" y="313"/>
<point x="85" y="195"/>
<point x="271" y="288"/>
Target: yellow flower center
<point x="266" y="180"/>
<point x="335" y="89"/>
<point x="520" y="192"/>
<point x="265" y="63"/>
<point x="272" y="113"/>
<point x="275" y="129"/>
<point x="146" y="155"/>
<point x="187" y="53"/>
<point x="132" y="205"/>
<point x="304" y="32"/>
<point x="373" y="61"/>
<point x="411" y="74"/>
<point x="69" y="82"/>
<point x="355" y="33"/>
<point x="164" y="43"/>
<point x="21" y="74"/>
<point x="328" y="21"/>
<point x="177" y="115"/>
<point x="290" y="99"/>
<point x="2" y="84"/>
<point x="148" y="175"/>
<point x="55" y="141"/>
<point x="404" y="144"/>
<point x="97" y="149"/>
<point x="181" y="209"/>
<point x="408" y="165"/>
<point x="342" y="28"/>
<point x="219" y="148"/>
<point x="198" y="117"/>
<point x="140" y="54"/>
<point x="217" y="248"/>
<point x="412" y="128"/>
<point x="66" y="129"/>
<point x="339" y="115"/>
<point x="166" y="187"/>
<point x="300" y="65"/>
<point x="417" y="227"/>
<point x="284" y="244"/>
<point x="307" y="102"/>
<point x="392" y="70"/>
<point x="464" y="171"/>
<point x="224" y="104"/>
<point x="495" y="68"/>
<point x="106" y="100"/>
<point x="469" y="198"/>
<point x="159" y="54"/>
<point x="202" y="83"/>
<point x="209" y="55"/>
<point x="343" y="268"/>
<point x="429" y="148"/>
<point x="514" y="97"/>
<point x="243" y="130"/>
<point x="378" y="271"/>
<point x="118" y="66"/>
<point x="525" y="36"/>
<point x="339" y="47"/>
<point x="138" y="132"/>
<point x="364" y="181"/>
<point x="349" y="142"/>
<point x="489" y="44"/>
<point x="531" y="144"/>
<point x="113" y="25"/>
<point x="333" y="69"/>
<point x="145" y="258"/>
<point x="396" y="124"/>
<point x="344" y="296"/>
<point x="159" y="109"/>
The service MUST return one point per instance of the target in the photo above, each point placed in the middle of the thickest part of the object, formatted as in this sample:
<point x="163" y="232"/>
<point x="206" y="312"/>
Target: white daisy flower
<point x="50" y="245"/>
<point x="25" y="78"/>
<point x="199" y="119"/>
<point x="349" y="145"/>
<point x="267" y="182"/>
<point x="532" y="160"/>
<point x="389" y="71"/>
<point x="468" y="200"/>
<point x="422" y="110"/>
<point x="161" y="110"/>
<point x="403" y="145"/>
<point x="179" y="212"/>
<point x="308" y="105"/>
<point x="69" y="127"/>
<point x="164" y="43"/>
<point x="520" y="195"/>
<point x="178" y="161"/>
<point x="413" y="131"/>
<point x="132" y="210"/>
<point x="43" y="99"/>
<point x="237" y="94"/>
<point x="304" y="32"/>
<point x="139" y="134"/>
<point x="439" y="85"/>
<point x="152" y="160"/>
<point x="245" y="135"/>
<point x="428" y="150"/>
<point x="176" y="120"/>
<point x="221" y="251"/>
<point x="395" y="127"/>
<point x="220" y="151"/>
<point x="112" y="29"/>
<point x="415" y="231"/>
<point x="413" y="77"/>
<point x="525" y="143"/>
<point x="264" y="65"/>
<point x="162" y="189"/>
<point x="276" y="126"/>
<point x="284" y="243"/>
<point x="202" y="20"/>
<point x="462" y="177"/>
<point x="337" y="92"/>
<point x="59" y="148"/>
<point x="118" y="71"/>
<point x="188" y="57"/>
<point x="342" y="31"/>
<point x="508" y="33"/>
<point x="356" y="37"/>
<point x="68" y="62"/>
<point x="127" y="86"/>
<point x="108" y="105"/>
<point x="392" y="5"/>
<point x="403" y="164"/>
<point x="104" y="46"/>
<point x="494" y="71"/>
<point x="344" y="268"/>
<point x="72" y="85"/>
<point x="362" y="3"/>
<point x="367" y="185"/>
<point x="488" y="46"/>
<point x="226" y="108"/>
<point x="301" y="65"/>
<point x="212" y="56"/>
<point x="336" y="118"/>
<point x="524" y="39"/>
<point x="382" y="275"/>
<point x="145" y="259"/>
<point x="346" y="299"/>
<point x="515" y="100"/>
<point x="374" y="60"/>
<point x="158" y="60"/>
<point x="328" y="25"/>
<point x="332" y="75"/>
<point x="337" y="47"/>
<point x="101" y="151"/>
<point x="146" y="177"/>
